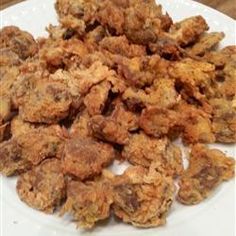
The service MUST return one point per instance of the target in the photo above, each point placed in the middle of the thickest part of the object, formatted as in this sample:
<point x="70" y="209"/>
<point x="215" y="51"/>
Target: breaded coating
<point x="196" y="125"/>
<point x="43" y="187"/>
<point x="207" y="169"/>
<point x="5" y="108"/>
<point x="48" y="103"/>
<point x="162" y="94"/>
<point x="141" y="71"/>
<point x="30" y="148"/>
<point x="124" y="117"/>
<point x="18" y="41"/>
<point x="9" y="58"/>
<point x="85" y="157"/>
<point x="193" y="78"/>
<point x="206" y="42"/>
<point x="159" y="122"/>
<point x="143" y="150"/>
<point x="80" y="125"/>
<point x="142" y="198"/>
<point x="224" y="120"/>
<point x="120" y="45"/>
<point x="41" y="143"/>
<point x="188" y="30"/>
<point x="11" y="161"/>
<point x="88" y="202"/>
<point x="108" y="129"/>
<point x="95" y="100"/>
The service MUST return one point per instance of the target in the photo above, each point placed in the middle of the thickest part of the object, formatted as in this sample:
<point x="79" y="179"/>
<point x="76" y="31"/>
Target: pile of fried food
<point x="115" y="80"/>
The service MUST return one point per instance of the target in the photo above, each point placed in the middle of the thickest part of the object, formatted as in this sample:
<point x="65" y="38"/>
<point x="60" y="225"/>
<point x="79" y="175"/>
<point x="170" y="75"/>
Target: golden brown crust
<point x="88" y="202"/>
<point x="207" y="169"/>
<point x="43" y="187"/>
<point x="142" y="197"/>
<point x="85" y="157"/>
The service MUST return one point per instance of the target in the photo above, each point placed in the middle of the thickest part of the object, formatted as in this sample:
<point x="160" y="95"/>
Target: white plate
<point x="215" y="216"/>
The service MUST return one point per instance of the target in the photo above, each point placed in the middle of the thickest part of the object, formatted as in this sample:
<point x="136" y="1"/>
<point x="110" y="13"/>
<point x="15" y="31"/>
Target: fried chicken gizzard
<point x="116" y="80"/>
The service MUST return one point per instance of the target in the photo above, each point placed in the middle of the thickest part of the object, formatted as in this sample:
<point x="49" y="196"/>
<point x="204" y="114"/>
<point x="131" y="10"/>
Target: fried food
<point x="224" y="120"/>
<point x="95" y="100"/>
<point x="142" y="198"/>
<point x="88" y="202"/>
<point x="207" y="169"/>
<point x="159" y="122"/>
<point x="18" y="41"/>
<point x="108" y="129"/>
<point x="144" y="150"/>
<point x="85" y="157"/>
<point x="48" y="103"/>
<point x="115" y="80"/>
<point x="20" y="153"/>
<point x="43" y="187"/>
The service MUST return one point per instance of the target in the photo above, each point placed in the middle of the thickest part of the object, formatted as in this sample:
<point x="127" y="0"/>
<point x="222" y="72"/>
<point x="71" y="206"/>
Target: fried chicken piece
<point x="43" y="187"/>
<point x="207" y="169"/>
<point x="49" y="102"/>
<point x="11" y="161"/>
<point x="85" y="157"/>
<point x="142" y="198"/>
<point x="80" y="125"/>
<point x="159" y="122"/>
<point x="120" y="45"/>
<point x="224" y="120"/>
<point x="188" y="30"/>
<point x="20" y="42"/>
<point x="144" y="21"/>
<point x="108" y="129"/>
<point x="95" y="100"/>
<point x="141" y="71"/>
<point x="124" y="117"/>
<point x="220" y="58"/>
<point x="205" y="43"/>
<point x="162" y="94"/>
<point x="193" y="77"/>
<point x="143" y="150"/>
<point x="41" y="143"/>
<point x="88" y="202"/>
<point x="95" y="74"/>
<point x="196" y="125"/>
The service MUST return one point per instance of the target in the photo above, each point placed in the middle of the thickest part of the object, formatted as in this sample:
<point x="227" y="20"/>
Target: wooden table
<point x="226" y="6"/>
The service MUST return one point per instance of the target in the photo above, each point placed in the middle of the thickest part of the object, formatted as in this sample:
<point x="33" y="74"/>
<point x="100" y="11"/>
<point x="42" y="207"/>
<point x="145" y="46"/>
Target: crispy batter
<point x="142" y="198"/>
<point x="11" y="161"/>
<point x="43" y="187"/>
<point x="80" y="125"/>
<point x="124" y="117"/>
<point x="193" y="77"/>
<point x="196" y="125"/>
<point x="108" y="129"/>
<point x="85" y="157"/>
<point x="205" y="43"/>
<point x="207" y="169"/>
<point x="120" y="45"/>
<point x="224" y="120"/>
<point x="143" y="150"/>
<point x="95" y="100"/>
<point x="159" y="122"/>
<point x="18" y="41"/>
<point x="188" y="30"/>
<point x="88" y="202"/>
<point x="161" y="94"/>
<point x="48" y="103"/>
